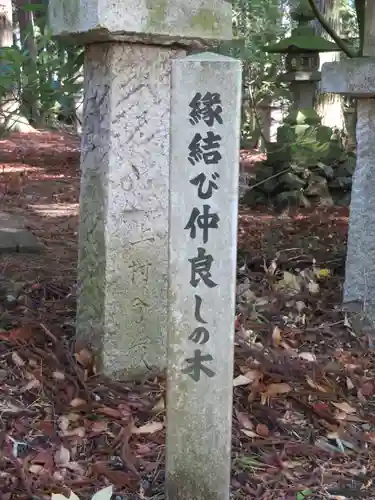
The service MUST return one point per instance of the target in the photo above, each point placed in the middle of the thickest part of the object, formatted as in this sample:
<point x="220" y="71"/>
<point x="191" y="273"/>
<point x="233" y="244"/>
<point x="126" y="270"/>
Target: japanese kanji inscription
<point x="207" y="107"/>
<point x="205" y="118"/>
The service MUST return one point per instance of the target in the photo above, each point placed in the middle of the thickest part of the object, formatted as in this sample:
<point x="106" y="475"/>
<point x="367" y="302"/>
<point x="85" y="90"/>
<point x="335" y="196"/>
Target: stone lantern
<point x="303" y="124"/>
<point x="302" y="62"/>
<point x="300" y="166"/>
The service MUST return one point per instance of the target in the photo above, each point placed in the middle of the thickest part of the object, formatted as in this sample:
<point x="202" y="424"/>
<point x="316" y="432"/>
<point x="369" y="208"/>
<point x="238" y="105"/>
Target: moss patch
<point x="206" y="20"/>
<point x="157" y="10"/>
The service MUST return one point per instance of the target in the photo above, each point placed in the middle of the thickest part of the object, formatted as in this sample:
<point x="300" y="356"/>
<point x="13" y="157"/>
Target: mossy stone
<point x="306" y="116"/>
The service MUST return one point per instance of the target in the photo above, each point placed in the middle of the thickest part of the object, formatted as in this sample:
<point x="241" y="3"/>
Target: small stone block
<point x="14" y="237"/>
<point x="149" y="21"/>
<point x="352" y="77"/>
<point x="205" y="126"/>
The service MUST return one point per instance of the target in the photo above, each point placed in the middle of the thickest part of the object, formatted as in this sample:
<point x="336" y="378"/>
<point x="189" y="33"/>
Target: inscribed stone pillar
<point x="123" y="255"/>
<point x="355" y="77"/>
<point x="360" y="262"/>
<point x="206" y="109"/>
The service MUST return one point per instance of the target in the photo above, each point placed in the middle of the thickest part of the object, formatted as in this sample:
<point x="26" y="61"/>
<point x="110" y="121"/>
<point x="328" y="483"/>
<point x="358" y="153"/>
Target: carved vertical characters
<point x="202" y="274"/>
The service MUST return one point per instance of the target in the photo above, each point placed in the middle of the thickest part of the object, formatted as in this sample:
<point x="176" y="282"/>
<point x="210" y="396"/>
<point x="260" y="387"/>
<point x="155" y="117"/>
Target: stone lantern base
<point x="303" y="140"/>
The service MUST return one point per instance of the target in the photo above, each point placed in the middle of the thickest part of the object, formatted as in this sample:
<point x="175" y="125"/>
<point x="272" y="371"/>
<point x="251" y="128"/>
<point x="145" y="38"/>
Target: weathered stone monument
<point x="123" y="257"/>
<point x="356" y="77"/>
<point x="205" y="131"/>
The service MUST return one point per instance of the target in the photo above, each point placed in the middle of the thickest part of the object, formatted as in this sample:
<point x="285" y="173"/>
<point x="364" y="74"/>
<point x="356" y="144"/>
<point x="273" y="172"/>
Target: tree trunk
<point x="10" y="117"/>
<point x="329" y="106"/>
<point x="30" y="72"/>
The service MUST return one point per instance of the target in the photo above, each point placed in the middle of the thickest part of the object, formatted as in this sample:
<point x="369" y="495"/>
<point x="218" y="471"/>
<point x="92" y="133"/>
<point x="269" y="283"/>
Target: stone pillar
<point x="206" y="110"/>
<point x="355" y="77"/>
<point x="123" y="254"/>
<point x="303" y="93"/>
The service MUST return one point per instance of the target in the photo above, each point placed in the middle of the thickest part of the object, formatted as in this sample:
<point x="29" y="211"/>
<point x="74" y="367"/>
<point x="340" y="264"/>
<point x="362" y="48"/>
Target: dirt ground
<point x="39" y="179"/>
<point x="303" y="417"/>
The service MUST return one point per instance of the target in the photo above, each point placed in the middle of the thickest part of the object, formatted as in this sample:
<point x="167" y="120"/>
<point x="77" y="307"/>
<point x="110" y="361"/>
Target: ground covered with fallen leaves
<point x="304" y="385"/>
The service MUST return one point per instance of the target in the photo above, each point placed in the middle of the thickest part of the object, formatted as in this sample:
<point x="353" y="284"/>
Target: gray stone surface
<point x="303" y="94"/>
<point x="14" y="237"/>
<point x="202" y="294"/>
<point x="360" y="268"/>
<point x="359" y="288"/>
<point x="353" y="77"/>
<point x="150" y="21"/>
<point x="123" y="260"/>
<point x="123" y="264"/>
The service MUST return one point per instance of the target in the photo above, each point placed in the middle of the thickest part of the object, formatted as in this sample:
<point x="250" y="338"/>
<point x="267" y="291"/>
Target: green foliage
<point x="255" y="24"/>
<point x="301" y="495"/>
<point x="52" y="79"/>
<point x="349" y="23"/>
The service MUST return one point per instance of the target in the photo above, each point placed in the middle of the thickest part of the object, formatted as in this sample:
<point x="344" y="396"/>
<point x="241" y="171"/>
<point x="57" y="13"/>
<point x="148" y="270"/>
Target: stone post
<point x="123" y="249"/>
<point x="356" y="77"/>
<point x="206" y="109"/>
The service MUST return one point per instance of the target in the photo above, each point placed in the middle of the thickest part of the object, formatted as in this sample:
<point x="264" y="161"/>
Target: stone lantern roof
<point x="303" y="39"/>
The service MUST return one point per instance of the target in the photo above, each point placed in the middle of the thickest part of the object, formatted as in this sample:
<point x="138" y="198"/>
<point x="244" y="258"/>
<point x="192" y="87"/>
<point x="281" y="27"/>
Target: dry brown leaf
<point x="77" y="402"/>
<point x="44" y="458"/>
<point x="14" y="182"/>
<point x="99" y="426"/>
<point x="250" y="434"/>
<point x="63" y="422"/>
<point x="36" y="469"/>
<point x="314" y="385"/>
<point x="300" y="306"/>
<point x="276" y="336"/>
<point x="253" y="375"/>
<point x="109" y="412"/>
<point x="262" y="430"/>
<point x="313" y="287"/>
<point x="244" y="420"/>
<point x="62" y="457"/>
<point x="349" y="384"/>
<point x="149" y="428"/>
<point x="361" y="397"/>
<point x="84" y="357"/>
<point x="32" y="384"/>
<point x="368" y="389"/>
<point x="288" y="348"/>
<point x="276" y="389"/>
<point x="308" y="356"/>
<point x="345" y="407"/>
<point x="24" y="332"/>
<point x="290" y="282"/>
<point x="17" y="360"/>
<point x="58" y="376"/>
<point x="353" y="418"/>
<point x="78" y="432"/>
<point x="74" y="466"/>
<point x="241" y="380"/>
<point x="118" y="478"/>
<point x="369" y="436"/>
<point x="73" y="417"/>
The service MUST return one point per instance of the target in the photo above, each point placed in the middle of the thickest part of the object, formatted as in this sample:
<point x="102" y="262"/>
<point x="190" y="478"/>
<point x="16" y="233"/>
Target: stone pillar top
<point x="354" y="77"/>
<point x="159" y="22"/>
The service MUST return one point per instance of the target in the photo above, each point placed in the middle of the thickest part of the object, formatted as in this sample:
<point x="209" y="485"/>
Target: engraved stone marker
<point x="123" y="256"/>
<point x="205" y="125"/>
<point x="356" y="77"/>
